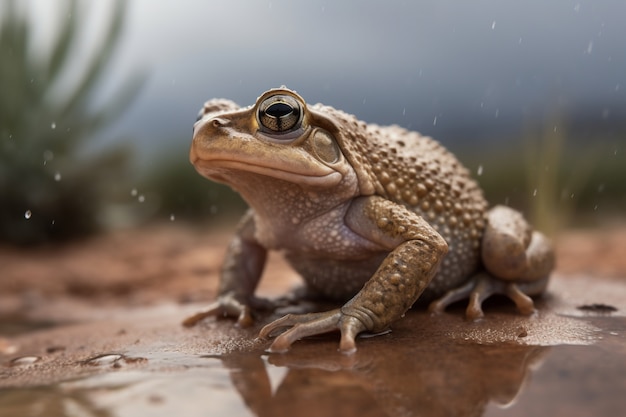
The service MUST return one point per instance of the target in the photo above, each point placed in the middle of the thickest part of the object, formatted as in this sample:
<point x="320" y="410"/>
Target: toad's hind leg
<point x="517" y="262"/>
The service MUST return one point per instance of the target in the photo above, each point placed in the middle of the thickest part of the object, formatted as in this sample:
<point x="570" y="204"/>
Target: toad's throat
<point x="218" y="169"/>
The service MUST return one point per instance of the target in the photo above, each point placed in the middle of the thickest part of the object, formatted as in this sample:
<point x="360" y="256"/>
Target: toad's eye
<point x="280" y="113"/>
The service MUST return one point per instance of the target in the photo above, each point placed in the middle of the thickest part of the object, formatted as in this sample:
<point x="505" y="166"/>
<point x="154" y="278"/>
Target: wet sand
<point x="94" y="329"/>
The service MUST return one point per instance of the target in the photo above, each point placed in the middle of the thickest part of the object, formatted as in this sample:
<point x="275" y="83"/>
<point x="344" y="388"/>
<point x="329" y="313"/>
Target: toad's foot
<point x="304" y="325"/>
<point x="482" y="286"/>
<point x="229" y="306"/>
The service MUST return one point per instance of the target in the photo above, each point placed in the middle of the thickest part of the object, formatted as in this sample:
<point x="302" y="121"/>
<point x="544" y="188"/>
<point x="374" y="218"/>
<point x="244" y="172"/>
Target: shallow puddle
<point x="567" y="360"/>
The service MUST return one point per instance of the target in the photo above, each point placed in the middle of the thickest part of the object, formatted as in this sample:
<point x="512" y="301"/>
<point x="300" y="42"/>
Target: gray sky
<point x="446" y="68"/>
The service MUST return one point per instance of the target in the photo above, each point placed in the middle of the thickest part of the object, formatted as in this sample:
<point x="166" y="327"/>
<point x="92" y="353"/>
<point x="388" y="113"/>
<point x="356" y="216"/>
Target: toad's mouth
<point x="225" y="171"/>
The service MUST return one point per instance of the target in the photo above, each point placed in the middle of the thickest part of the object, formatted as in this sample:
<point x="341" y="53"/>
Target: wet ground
<point x="93" y="329"/>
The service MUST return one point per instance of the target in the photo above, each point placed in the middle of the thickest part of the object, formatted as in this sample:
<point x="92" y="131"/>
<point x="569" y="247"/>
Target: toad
<point x="374" y="216"/>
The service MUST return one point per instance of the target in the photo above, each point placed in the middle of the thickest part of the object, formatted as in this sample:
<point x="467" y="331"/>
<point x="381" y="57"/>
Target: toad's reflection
<point x="386" y="377"/>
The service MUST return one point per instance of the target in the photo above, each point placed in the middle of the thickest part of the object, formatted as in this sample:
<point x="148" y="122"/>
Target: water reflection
<point x="434" y="380"/>
<point x="387" y="377"/>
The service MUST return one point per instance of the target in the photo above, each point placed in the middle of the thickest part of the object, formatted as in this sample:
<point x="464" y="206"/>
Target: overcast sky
<point x="441" y="67"/>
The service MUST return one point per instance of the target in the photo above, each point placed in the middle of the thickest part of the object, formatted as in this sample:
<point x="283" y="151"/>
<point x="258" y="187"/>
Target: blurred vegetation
<point x="557" y="177"/>
<point x="184" y="195"/>
<point x="51" y="188"/>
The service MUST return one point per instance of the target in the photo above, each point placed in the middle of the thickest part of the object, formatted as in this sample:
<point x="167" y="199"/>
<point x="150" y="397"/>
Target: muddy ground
<point x="93" y="328"/>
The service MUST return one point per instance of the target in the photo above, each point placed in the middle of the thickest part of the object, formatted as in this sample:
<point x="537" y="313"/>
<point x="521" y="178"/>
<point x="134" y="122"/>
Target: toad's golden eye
<point x="280" y="113"/>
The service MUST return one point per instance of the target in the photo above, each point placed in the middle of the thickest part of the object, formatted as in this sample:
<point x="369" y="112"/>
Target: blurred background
<point x="97" y="99"/>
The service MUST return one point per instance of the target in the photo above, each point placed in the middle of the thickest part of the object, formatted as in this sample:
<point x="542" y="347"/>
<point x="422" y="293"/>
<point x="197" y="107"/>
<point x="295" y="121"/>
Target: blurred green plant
<point x="51" y="188"/>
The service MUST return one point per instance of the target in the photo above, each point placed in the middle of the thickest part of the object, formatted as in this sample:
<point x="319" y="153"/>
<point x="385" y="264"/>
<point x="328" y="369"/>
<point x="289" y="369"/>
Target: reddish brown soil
<point x="181" y="264"/>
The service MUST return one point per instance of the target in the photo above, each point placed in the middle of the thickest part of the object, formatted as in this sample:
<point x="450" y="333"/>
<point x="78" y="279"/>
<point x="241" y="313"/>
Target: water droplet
<point x="497" y="113"/>
<point x="435" y="121"/>
<point x="589" y="47"/>
<point x="57" y="176"/>
<point x="53" y="126"/>
<point x="493" y="25"/>
<point x="141" y="198"/>
<point x="479" y="171"/>
<point x="595" y="208"/>
<point x="104" y="360"/>
<point x="28" y="214"/>
<point x="404" y="111"/>
<point x="133" y="192"/>
<point x="172" y="217"/>
<point x="114" y="360"/>
<point x="24" y="361"/>
<point x="535" y="192"/>
<point x="555" y="129"/>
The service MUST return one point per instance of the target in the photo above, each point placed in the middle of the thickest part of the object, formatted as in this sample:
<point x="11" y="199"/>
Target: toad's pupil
<point x="279" y="110"/>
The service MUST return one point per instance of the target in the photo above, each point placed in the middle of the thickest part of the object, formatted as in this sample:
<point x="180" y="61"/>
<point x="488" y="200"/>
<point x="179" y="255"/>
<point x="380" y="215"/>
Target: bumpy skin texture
<point x="377" y="216"/>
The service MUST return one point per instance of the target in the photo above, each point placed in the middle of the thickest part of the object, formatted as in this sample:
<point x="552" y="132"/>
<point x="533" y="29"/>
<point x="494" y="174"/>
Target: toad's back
<point x="419" y="173"/>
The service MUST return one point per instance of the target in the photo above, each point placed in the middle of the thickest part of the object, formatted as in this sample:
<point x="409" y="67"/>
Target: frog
<point x="372" y="217"/>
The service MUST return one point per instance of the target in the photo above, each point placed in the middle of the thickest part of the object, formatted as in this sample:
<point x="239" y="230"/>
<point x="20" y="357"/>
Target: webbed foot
<point x="482" y="286"/>
<point x="304" y="325"/>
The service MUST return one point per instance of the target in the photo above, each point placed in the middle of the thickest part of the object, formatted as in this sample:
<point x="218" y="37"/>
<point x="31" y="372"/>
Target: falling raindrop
<point x="589" y="47"/>
<point x="141" y="198"/>
<point x="53" y="126"/>
<point x="57" y="176"/>
<point x="497" y="113"/>
<point x="172" y="217"/>
<point x="28" y="214"/>
<point x="435" y="121"/>
<point x="479" y="171"/>
<point x="133" y="192"/>
<point x="493" y="25"/>
<point x="535" y="192"/>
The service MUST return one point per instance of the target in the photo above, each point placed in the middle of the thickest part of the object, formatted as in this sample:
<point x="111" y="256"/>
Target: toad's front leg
<point x="415" y="251"/>
<point x="240" y="275"/>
